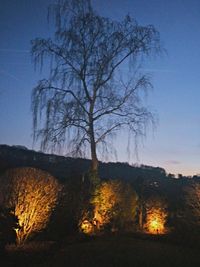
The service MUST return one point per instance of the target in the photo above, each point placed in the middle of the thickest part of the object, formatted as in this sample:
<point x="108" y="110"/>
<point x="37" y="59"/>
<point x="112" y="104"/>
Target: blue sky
<point x="175" y="144"/>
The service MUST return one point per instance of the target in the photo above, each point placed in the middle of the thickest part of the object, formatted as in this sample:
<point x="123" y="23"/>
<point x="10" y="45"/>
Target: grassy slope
<point x="110" y="251"/>
<point x="125" y="251"/>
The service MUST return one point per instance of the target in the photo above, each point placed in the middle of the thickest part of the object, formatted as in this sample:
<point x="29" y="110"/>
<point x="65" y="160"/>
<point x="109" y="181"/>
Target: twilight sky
<point x="175" y="144"/>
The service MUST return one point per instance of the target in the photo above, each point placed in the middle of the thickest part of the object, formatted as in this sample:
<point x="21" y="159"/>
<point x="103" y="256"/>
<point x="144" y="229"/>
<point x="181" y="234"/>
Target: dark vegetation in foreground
<point x="61" y="245"/>
<point x="110" y="250"/>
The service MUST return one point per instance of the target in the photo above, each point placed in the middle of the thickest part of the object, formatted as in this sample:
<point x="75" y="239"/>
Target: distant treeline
<point x="66" y="167"/>
<point x="146" y="180"/>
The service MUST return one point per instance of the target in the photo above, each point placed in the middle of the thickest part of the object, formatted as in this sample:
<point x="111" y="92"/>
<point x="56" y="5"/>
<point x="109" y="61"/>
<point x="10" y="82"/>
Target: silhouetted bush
<point x="8" y="224"/>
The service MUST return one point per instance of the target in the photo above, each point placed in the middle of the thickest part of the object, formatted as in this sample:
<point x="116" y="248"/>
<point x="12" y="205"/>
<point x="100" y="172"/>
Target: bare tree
<point x="88" y="96"/>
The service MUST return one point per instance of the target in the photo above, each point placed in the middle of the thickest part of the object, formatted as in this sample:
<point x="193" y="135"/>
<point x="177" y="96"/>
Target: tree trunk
<point x="141" y="217"/>
<point x="94" y="177"/>
<point x="95" y="163"/>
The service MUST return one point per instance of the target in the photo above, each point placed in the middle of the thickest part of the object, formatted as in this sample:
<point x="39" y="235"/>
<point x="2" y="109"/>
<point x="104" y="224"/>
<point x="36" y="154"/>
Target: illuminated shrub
<point x="156" y="217"/>
<point x="32" y="194"/>
<point x="87" y="225"/>
<point x="114" y="205"/>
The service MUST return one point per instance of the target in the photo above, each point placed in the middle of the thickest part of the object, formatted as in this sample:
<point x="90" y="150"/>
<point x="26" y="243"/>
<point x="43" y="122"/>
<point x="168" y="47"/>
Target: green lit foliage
<point x="32" y="194"/>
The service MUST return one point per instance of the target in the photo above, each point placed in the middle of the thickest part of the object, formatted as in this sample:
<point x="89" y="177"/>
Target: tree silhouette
<point x="87" y="96"/>
<point x="8" y="224"/>
<point x="191" y="210"/>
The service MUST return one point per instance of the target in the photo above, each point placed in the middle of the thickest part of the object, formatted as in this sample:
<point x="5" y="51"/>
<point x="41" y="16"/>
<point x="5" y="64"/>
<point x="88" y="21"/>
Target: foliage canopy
<point x="32" y="194"/>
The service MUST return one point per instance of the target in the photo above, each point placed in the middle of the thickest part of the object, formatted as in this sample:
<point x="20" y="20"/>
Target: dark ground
<point x="108" y="251"/>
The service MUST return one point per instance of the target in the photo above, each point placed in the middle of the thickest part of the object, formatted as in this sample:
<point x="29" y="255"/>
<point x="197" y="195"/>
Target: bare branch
<point x="83" y="101"/>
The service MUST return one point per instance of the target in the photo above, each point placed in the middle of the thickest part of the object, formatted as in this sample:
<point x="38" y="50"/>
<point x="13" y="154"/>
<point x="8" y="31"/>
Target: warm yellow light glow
<point x="114" y="203"/>
<point x="33" y="195"/>
<point x="87" y="227"/>
<point x="156" y="219"/>
<point x="155" y="224"/>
